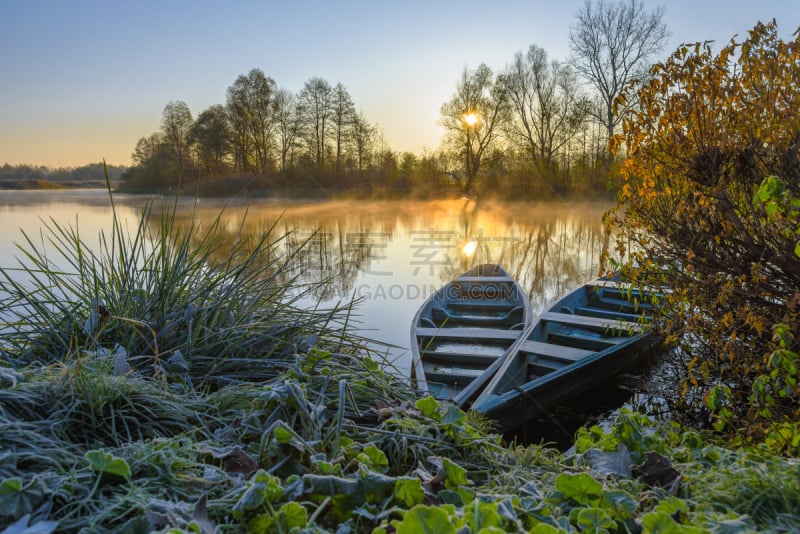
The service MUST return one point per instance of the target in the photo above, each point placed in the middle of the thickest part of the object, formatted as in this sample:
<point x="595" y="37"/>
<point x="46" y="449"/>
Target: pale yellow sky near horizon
<point x="84" y="81"/>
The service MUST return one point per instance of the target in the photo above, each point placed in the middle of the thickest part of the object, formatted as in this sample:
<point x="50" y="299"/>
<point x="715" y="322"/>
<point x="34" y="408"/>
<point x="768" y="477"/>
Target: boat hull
<point x="462" y="333"/>
<point x="585" y="338"/>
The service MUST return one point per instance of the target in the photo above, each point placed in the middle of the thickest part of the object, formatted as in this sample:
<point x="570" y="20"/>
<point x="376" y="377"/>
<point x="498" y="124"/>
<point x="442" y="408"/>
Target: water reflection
<point x="390" y="256"/>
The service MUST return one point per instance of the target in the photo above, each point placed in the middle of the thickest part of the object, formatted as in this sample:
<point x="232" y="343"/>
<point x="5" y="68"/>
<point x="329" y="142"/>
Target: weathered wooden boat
<point x="586" y="337"/>
<point x="461" y="334"/>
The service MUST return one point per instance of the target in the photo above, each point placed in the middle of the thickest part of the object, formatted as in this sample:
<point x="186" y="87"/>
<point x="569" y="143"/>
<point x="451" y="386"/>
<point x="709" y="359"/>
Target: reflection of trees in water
<point x="337" y="255"/>
<point x="313" y="249"/>
<point x="548" y="254"/>
<point x="549" y="247"/>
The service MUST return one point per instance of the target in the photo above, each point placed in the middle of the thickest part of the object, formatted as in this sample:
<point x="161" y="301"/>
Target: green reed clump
<point x="89" y="406"/>
<point x="189" y="303"/>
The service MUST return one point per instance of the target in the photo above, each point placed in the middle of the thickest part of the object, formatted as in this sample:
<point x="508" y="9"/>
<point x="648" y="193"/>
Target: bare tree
<point x="472" y="119"/>
<point x="250" y="107"/>
<point x="146" y="150"/>
<point x="611" y="42"/>
<point x="238" y="110"/>
<point x="315" y="104"/>
<point x="548" y="109"/>
<point x="176" y="122"/>
<point x="211" y="137"/>
<point x="287" y="117"/>
<point x="342" y="113"/>
<point x="363" y="140"/>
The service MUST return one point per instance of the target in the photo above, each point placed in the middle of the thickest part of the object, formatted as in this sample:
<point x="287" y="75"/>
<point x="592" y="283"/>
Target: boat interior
<point x="587" y="322"/>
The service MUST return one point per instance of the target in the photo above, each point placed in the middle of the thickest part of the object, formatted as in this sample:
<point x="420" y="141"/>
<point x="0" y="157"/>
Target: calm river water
<point x="390" y="256"/>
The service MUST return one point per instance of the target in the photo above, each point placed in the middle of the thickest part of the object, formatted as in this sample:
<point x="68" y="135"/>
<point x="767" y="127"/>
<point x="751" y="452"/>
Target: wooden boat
<point x="461" y="334"/>
<point x="586" y="337"/>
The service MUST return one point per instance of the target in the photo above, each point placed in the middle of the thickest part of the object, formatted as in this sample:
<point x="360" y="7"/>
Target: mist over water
<point x="388" y="256"/>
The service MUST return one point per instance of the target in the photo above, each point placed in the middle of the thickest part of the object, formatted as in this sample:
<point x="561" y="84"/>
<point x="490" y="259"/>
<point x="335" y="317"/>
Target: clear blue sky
<point x="83" y="80"/>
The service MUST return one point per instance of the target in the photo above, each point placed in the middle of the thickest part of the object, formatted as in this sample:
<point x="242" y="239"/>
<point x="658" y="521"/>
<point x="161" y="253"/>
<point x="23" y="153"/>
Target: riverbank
<point x="333" y="441"/>
<point x="176" y="383"/>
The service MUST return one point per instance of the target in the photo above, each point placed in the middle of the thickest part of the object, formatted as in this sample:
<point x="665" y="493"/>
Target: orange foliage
<point x="710" y="129"/>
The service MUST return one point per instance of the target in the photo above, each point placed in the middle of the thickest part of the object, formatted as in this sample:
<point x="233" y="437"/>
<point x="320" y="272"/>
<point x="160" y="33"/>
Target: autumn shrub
<point x="710" y="201"/>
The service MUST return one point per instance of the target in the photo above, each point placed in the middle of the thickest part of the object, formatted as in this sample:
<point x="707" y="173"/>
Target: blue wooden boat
<point x="586" y="337"/>
<point x="461" y="334"/>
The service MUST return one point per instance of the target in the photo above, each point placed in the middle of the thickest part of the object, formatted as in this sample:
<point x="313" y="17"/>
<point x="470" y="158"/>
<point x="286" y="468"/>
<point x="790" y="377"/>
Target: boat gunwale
<point x="419" y="378"/>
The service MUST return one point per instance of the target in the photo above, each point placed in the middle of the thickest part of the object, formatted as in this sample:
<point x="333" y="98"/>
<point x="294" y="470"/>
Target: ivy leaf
<point x="374" y="458"/>
<point x="456" y="475"/>
<point x="21" y="526"/>
<point x="582" y="488"/>
<point x="620" y="503"/>
<point x="661" y="523"/>
<point x="425" y="520"/>
<point x="453" y="415"/>
<point x="409" y="491"/>
<point x="105" y="462"/>
<point x="282" y="435"/>
<point x="672" y="506"/>
<point x="595" y="520"/>
<point x="482" y="515"/>
<point x="428" y="406"/>
<point x="293" y="515"/>
<point x="17" y="499"/>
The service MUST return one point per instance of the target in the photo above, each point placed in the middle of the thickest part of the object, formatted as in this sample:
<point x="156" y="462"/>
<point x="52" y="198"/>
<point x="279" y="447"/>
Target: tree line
<point x="539" y="126"/>
<point x="36" y="176"/>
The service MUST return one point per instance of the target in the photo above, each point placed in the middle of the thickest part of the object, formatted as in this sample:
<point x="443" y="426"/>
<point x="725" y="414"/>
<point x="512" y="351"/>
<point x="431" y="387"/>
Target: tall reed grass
<point x="192" y="303"/>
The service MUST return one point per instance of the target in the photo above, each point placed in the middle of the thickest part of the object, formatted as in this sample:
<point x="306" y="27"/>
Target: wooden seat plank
<point x="592" y="322"/>
<point x="610" y="314"/>
<point x="484" y="279"/>
<point x="467" y="333"/>
<point x="554" y="351"/>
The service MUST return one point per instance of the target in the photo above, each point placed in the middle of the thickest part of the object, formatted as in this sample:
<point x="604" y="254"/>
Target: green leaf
<point x="428" y="406"/>
<point x="595" y="520"/>
<point x="261" y="523"/>
<point x="409" y="491"/>
<point x="374" y="458"/>
<point x="620" y="504"/>
<point x="454" y="415"/>
<point x="272" y="488"/>
<point x="797" y="249"/>
<point x="377" y="486"/>
<point x="580" y="487"/>
<point x="17" y="499"/>
<point x="21" y="526"/>
<point x="10" y="486"/>
<point x="282" y="435"/>
<point x="250" y="499"/>
<point x="293" y="515"/>
<point x="331" y="486"/>
<point x="672" y="506"/>
<point x="105" y="462"/>
<point x="660" y="523"/>
<point x="481" y="515"/>
<point x="456" y="475"/>
<point x="425" y="520"/>
<point x="453" y="497"/>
